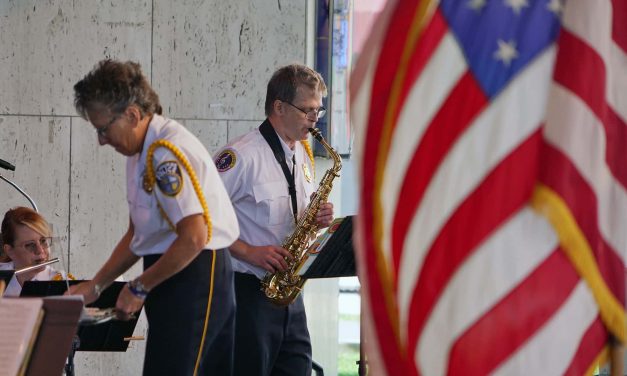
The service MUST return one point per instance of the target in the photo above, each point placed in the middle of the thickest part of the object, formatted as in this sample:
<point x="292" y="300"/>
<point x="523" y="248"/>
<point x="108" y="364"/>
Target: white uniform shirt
<point x="14" y="288"/>
<point x="174" y="190"/>
<point x="259" y="191"/>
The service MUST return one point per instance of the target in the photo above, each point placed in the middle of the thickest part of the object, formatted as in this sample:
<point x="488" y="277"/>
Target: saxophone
<point x="283" y="287"/>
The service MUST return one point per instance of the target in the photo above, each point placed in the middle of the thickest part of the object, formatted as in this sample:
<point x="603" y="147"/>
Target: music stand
<point x="331" y="255"/>
<point x="6" y="276"/>
<point x="54" y="340"/>
<point x="108" y="336"/>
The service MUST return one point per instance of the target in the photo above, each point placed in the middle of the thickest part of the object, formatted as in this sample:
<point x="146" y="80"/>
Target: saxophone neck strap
<point x="269" y="134"/>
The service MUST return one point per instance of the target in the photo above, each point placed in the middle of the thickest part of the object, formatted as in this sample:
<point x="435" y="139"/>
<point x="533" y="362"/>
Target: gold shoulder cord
<point x="149" y="182"/>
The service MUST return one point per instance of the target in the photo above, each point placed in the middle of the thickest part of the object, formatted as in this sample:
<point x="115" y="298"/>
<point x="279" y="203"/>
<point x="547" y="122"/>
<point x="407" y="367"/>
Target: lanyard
<point x="275" y="144"/>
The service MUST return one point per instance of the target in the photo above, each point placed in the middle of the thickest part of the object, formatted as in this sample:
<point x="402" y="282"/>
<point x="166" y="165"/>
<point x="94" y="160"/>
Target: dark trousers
<point x="176" y="311"/>
<point x="269" y="339"/>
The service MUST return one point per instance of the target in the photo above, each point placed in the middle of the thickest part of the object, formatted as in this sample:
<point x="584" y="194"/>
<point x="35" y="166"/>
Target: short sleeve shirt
<point x="174" y="192"/>
<point x="258" y="190"/>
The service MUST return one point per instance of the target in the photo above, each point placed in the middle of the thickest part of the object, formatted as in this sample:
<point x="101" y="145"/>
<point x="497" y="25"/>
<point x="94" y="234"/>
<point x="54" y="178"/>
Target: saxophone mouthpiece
<point x="316" y="133"/>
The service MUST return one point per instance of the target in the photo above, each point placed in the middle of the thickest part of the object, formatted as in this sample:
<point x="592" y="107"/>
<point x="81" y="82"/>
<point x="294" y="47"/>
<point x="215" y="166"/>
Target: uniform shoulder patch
<point x="169" y="178"/>
<point x="226" y="160"/>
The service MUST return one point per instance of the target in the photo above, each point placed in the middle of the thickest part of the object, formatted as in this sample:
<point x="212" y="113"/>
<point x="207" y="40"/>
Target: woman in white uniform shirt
<point x="25" y="242"/>
<point x="187" y="276"/>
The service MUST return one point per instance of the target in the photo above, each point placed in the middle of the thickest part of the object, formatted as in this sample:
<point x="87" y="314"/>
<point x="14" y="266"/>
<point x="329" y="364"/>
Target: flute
<point x="29" y="268"/>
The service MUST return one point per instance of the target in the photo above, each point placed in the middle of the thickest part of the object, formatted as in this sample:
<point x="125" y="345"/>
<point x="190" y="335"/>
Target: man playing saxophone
<point x="268" y="174"/>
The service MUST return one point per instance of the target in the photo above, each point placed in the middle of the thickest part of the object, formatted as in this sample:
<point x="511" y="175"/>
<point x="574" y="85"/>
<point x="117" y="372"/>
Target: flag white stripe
<point x="584" y="142"/>
<point x="510" y="120"/>
<point x="616" y="86"/>
<point x="471" y="294"/>
<point x="552" y="348"/>
<point x="439" y="77"/>
<point x="592" y="22"/>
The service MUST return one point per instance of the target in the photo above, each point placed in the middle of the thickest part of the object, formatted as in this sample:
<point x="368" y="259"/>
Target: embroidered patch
<point x="226" y="160"/>
<point x="306" y="172"/>
<point x="169" y="178"/>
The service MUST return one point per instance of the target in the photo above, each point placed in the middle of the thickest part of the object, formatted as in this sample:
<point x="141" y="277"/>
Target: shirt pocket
<point x="273" y="203"/>
<point x="141" y="209"/>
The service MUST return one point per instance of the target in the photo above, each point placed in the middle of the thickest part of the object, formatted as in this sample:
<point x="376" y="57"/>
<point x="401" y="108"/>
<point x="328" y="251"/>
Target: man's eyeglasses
<point x="312" y="115"/>
<point x="31" y="245"/>
<point x="102" y="131"/>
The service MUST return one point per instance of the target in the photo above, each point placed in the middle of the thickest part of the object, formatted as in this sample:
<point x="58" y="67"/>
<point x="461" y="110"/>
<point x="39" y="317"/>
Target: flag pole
<point x="616" y="357"/>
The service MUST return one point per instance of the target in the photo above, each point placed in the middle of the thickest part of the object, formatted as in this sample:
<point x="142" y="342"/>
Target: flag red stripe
<point x="590" y="346"/>
<point x="562" y="176"/>
<point x="495" y="337"/>
<point x="576" y="63"/>
<point x="576" y="78"/>
<point x="504" y="191"/>
<point x="462" y="105"/>
<point x="619" y="24"/>
<point x="387" y="342"/>
<point x="386" y="70"/>
<point x="616" y="136"/>
<point x="429" y="41"/>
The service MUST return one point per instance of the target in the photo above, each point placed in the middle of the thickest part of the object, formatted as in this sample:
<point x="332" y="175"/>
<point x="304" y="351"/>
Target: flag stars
<point x="476" y="5"/>
<point x="516" y="5"/>
<point x="506" y="51"/>
<point x="555" y="6"/>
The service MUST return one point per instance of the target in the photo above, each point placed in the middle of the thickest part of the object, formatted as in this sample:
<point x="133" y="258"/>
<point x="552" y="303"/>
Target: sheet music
<point x="19" y="325"/>
<point x="89" y="315"/>
<point x="316" y="247"/>
<point x="94" y="315"/>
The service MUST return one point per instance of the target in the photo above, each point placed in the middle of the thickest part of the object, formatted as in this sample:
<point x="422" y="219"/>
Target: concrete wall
<point x="208" y="60"/>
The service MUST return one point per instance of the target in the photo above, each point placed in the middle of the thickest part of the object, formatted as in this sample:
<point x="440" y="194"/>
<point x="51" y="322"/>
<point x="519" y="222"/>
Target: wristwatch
<point x="137" y="288"/>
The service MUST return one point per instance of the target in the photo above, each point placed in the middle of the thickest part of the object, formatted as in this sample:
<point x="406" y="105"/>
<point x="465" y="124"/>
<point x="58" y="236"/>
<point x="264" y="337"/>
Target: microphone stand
<point x="21" y="191"/>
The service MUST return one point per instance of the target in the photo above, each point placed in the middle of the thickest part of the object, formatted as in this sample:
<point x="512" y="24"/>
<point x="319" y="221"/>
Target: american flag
<point x="492" y="231"/>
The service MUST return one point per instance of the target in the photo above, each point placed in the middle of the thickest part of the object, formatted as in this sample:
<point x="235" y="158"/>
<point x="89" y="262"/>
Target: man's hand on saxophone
<point x="269" y="257"/>
<point x="324" y="217"/>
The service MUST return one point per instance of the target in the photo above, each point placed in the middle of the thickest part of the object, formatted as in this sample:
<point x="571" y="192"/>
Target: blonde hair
<point x="21" y="216"/>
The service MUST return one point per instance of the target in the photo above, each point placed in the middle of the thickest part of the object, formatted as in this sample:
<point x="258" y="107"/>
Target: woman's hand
<point x="127" y="304"/>
<point x="89" y="289"/>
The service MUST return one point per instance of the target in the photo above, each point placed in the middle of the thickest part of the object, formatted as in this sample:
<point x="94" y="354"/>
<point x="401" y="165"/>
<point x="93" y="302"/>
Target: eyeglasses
<point x="102" y="131"/>
<point x="31" y="245"/>
<point x="312" y="115"/>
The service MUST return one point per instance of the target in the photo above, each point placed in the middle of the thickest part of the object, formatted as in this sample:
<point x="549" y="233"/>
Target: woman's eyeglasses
<point x="31" y="245"/>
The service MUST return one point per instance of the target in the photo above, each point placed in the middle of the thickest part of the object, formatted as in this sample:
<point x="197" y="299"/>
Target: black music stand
<point x="108" y="336"/>
<point x="6" y="276"/>
<point x="330" y="256"/>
